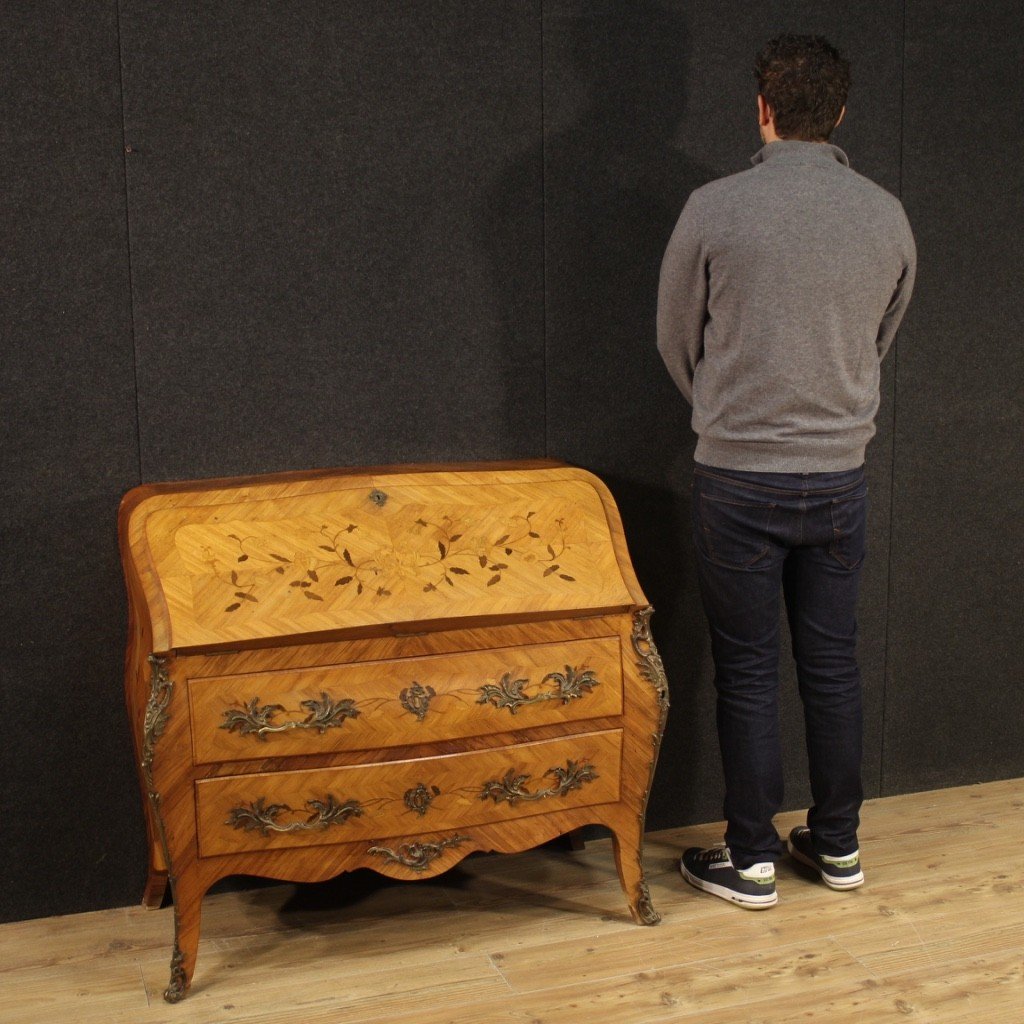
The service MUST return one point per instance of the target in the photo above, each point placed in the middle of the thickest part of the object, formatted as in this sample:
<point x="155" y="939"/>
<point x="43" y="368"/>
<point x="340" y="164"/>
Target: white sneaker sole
<point x="740" y="899"/>
<point x="838" y="882"/>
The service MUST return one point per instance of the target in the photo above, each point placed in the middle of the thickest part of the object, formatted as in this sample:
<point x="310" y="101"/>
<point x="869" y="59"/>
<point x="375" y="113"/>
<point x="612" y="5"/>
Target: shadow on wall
<point x="615" y="180"/>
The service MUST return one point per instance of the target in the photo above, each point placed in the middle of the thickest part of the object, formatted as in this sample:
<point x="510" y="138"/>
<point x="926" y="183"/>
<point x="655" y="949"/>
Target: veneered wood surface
<point x="375" y="691"/>
<point x="256" y="559"/>
<point x="456" y="785"/>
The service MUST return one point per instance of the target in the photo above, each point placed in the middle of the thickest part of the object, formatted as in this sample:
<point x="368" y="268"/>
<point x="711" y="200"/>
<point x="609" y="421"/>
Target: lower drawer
<point x="337" y="805"/>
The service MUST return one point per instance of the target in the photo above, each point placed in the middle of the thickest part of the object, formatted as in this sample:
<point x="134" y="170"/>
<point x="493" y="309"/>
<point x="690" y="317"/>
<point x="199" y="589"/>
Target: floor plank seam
<point x="853" y="956"/>
<point x="920" y="937"/>
<point x="145" y="987"/>
<point x="501" y="973"/>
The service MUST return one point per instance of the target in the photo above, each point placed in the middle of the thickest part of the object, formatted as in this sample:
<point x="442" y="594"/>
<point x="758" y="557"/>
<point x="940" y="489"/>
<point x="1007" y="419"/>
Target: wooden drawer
<point x="368" y="802"/>
<point x="367" y="705"/>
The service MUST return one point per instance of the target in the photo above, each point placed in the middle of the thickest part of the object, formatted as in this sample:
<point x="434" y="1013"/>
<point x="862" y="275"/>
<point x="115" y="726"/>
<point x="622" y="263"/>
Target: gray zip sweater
<point x="781" y="290"/>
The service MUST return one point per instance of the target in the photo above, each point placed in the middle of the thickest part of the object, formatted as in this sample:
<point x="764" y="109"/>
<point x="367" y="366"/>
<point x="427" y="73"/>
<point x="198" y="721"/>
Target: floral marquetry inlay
<point x="344" y="559"/>
<point x="315" y="563"/>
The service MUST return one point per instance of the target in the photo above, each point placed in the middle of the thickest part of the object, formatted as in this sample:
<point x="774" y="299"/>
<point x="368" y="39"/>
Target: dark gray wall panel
<point x="60" y="66"/>
<point x="67" y="436"/>
<point x="73" y="837"/>
<point x="68" y="451"/>
<point x="644" y="101"/>
<point x="336" y="250"/>
<point x="955" y="695"/>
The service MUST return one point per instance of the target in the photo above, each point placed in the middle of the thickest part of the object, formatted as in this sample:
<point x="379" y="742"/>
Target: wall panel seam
<point x="128" y="242"/>
<point x="544" y="231"/>
<point x="882" y="775"/>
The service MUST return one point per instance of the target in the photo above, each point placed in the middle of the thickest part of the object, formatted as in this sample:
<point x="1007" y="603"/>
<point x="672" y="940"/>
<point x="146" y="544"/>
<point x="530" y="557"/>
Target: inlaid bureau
<point x="387" y="668"/>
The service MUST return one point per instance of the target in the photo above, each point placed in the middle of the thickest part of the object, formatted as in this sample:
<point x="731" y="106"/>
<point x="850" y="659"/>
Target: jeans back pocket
<point x="849" y="530"/>
<point x="733" y="533"/>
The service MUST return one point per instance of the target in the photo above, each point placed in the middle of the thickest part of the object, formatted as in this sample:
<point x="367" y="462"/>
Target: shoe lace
<point x="714" y="854"/>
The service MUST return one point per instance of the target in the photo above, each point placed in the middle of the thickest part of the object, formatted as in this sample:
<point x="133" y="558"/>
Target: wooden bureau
<point x="384" y="667"/>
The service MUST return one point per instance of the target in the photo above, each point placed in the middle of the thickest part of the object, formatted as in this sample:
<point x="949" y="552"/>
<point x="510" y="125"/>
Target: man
<point x="781" y="290"/>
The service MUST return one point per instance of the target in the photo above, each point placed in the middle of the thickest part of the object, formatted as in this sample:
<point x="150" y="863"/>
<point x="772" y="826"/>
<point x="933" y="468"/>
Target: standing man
<point x="781" y="290"/>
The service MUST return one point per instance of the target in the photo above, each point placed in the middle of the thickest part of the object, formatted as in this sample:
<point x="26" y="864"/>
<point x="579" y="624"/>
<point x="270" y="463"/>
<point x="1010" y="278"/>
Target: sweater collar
<point x="798" y="152"/>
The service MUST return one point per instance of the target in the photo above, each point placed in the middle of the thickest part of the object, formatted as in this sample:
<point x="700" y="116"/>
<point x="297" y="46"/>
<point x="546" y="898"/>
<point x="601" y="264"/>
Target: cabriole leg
<point x="628" y="847"/>
<point x="188" y="899"/>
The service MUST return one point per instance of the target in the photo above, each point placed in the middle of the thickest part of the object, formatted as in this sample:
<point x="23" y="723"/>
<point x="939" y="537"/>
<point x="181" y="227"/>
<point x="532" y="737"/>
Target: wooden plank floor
<point x="936" y="935"/>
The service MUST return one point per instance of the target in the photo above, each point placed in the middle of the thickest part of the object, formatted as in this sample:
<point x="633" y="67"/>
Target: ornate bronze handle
<point x="511" y="787"/>
<point x="571" y="684"/>
<point x="262" y="817"/>
<point x="417" y="856"/>
<point x="416" y="699"/>
<point x="419" y="798"/>
<point x="254" y="720"/>
<point x="508" y="692"/>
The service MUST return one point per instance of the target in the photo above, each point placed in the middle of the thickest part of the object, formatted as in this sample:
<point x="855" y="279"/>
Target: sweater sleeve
<point x="901" y="296"/>
<point x="683" y="299"/>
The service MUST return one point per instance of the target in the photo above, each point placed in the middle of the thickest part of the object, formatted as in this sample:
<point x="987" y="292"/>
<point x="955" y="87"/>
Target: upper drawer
<point x="367" y="705"/>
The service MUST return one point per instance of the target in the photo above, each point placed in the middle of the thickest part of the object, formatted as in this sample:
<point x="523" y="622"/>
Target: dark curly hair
<point x="804" y="80"/>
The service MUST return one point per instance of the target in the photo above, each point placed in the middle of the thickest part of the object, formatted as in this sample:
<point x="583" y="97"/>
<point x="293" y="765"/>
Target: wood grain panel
<point x="369" y="550"/>
<point x="373" y="801"/>
<point x="399" y="702"/>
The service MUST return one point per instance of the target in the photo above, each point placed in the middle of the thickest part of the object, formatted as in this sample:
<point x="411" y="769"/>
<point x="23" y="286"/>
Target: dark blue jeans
<point x="801" y="535"/>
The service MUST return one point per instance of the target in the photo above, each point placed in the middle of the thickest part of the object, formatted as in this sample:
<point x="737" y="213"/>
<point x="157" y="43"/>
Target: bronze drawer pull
<point x="419" y="798"/>
<point x="417" y="856"/>
<point x="325" y="713"/>
<point x="511" y="786"/>
<point x="569" y="685"/>
<point x="254" y="719"/>
<point x="262" y="817"/>
<point x="416" y="699"/>
<point x="508" y="693"/>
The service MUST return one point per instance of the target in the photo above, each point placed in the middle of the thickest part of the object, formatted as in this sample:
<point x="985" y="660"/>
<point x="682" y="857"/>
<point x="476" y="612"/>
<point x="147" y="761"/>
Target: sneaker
<point x="836" y="872"/>
<point x="712" y="871"/>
